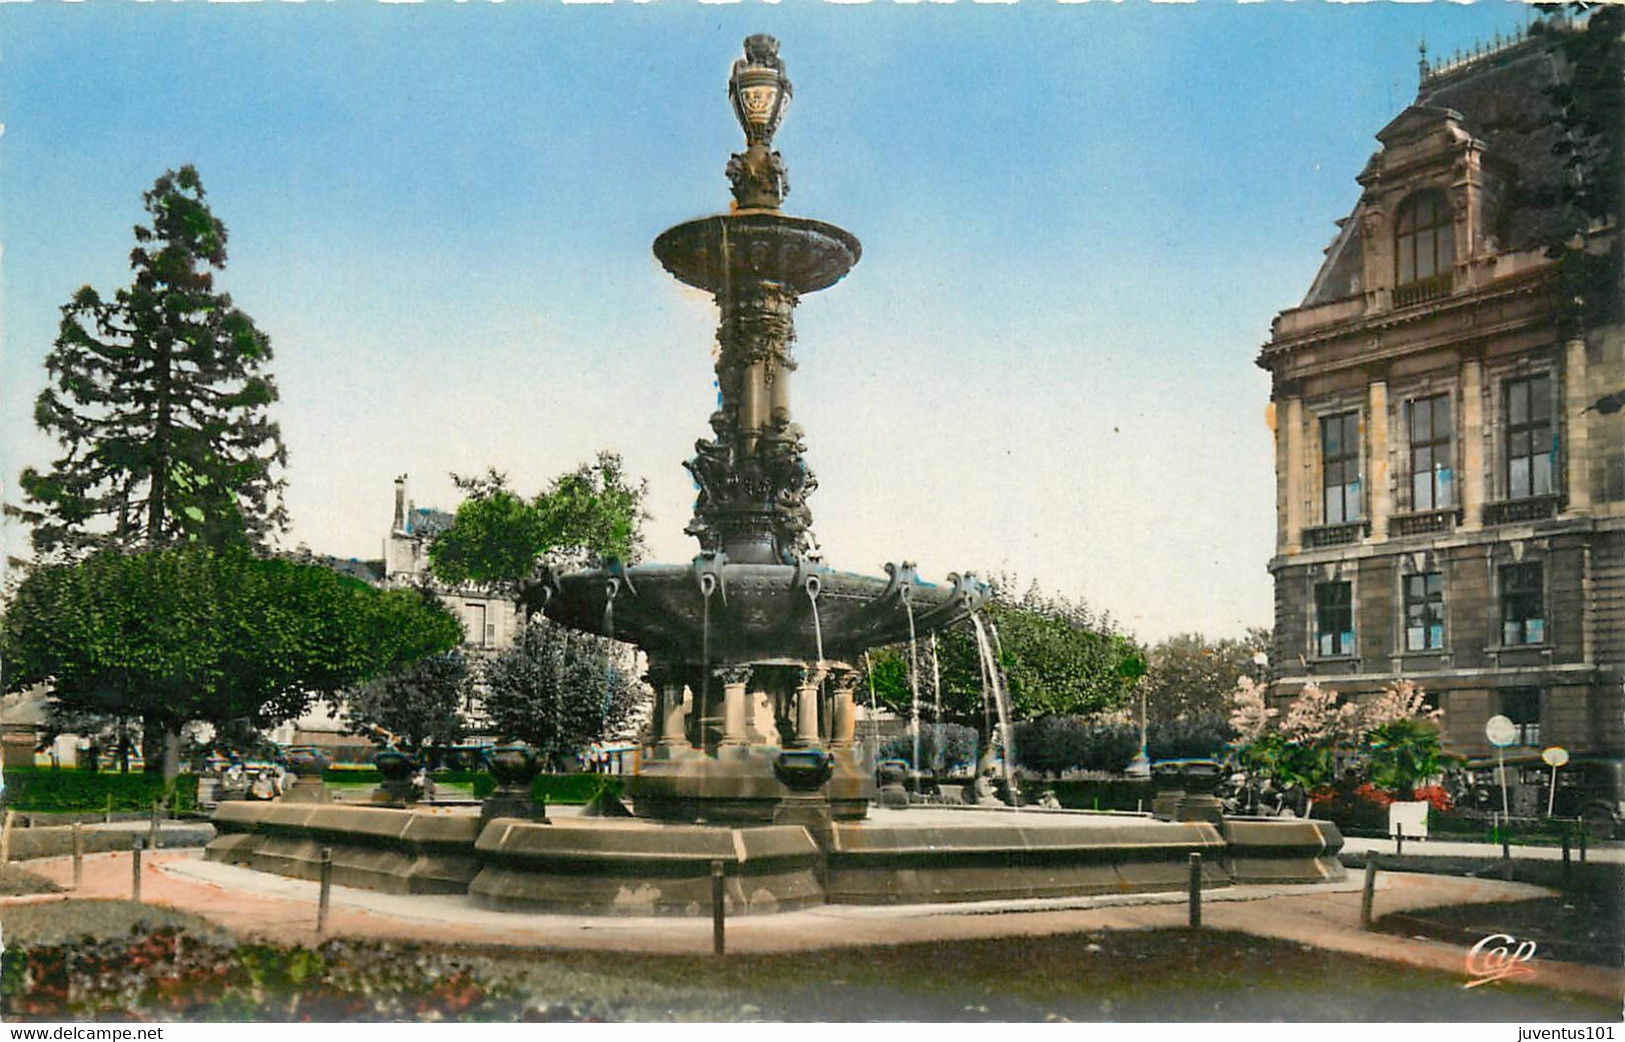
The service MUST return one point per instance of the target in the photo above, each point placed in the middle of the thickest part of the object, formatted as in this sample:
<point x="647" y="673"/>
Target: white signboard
<point x="1409" y="816"/>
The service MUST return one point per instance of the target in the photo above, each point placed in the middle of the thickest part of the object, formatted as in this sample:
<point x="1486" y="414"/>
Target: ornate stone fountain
<point x="752" y="651"/>
<point x="756" y="637"/>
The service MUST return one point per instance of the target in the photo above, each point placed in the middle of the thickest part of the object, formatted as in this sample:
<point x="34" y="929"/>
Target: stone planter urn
<point x="396" y="788"/>
<point x="892" y="774"/>
<point x="306" y="763"/>
<point x="1168" y="778"/>
<point x="803" y="769"/>
<point x="514" y="765"/>
<point x="1201" y="778"/>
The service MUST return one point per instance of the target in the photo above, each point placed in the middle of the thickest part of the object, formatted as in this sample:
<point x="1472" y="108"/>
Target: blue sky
<point x="1078" y="221"/>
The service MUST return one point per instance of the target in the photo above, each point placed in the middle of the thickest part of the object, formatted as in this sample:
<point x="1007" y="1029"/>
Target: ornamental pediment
<point x="1418" y="122"/>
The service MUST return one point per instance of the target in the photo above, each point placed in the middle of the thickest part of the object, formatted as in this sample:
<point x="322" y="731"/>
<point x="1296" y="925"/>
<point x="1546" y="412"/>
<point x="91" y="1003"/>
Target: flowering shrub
<point x="1400" y="744"/>
<point x="1404" y="700"/>
<point x="1249" y="715"/>
<point x="1371" y="794"/>
<point x="1315" y="719"/>
<point x="1396" y="735"/>
<point x="1436" y="797"/>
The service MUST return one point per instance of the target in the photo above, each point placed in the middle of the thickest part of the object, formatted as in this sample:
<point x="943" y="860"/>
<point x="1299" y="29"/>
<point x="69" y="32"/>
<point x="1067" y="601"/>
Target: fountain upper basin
<point x="721" y="612"/>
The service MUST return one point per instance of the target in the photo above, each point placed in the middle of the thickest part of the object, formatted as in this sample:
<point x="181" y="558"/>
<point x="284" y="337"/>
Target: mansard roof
<point x="1500" y="99"/>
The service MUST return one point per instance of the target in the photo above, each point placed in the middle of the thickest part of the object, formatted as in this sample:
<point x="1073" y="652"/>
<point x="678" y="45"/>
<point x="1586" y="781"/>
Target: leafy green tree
<point x="159" y="399"/>
<point x="190" y="634"/>
<point x="1058" y="658"/>
<point x="1190" y="677"/>
<point x="558" y="691"/>
<point x="1589" y="98"/>
<point x="417" y="704"/>
<point x="1203" y="736"/>
<point x="498" y="536"/>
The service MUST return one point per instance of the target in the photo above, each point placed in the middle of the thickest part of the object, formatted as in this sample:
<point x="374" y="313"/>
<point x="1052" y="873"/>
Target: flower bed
<point x="167" y="974"/>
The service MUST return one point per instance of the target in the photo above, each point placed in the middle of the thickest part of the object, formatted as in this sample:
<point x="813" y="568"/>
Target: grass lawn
<point x="190" y="970"/>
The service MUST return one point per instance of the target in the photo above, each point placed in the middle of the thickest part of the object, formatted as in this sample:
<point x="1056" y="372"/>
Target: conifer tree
<point x="159" y="399"/>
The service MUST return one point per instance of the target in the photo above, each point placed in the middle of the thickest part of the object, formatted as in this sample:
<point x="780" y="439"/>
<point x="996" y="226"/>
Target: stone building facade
<point x="491" y="619"/>
<point x="1450" y="485"/>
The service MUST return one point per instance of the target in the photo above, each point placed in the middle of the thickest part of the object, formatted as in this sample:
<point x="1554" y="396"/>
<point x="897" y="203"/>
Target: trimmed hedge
<point x="47" y="789"/>
<point x="371" y="776"/>
<point x="1084" y="794"/>
<point x="561" y="789"/>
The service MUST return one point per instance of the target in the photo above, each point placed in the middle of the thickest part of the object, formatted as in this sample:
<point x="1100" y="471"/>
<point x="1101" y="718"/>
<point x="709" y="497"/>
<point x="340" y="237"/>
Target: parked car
<point x="1591" y="788"/>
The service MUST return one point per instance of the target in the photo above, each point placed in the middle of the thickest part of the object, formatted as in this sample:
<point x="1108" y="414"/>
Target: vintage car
<point x="1591" y="788"/>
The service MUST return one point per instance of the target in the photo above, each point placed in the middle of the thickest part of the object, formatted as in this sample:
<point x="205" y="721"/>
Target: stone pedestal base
<point x="308" y="789"/>
<point x="736" y="787"/>
<point x="397" y="795"/>
<point x="1197" y="807"/>
<point x="512" y="803"/>
<point x="1165" y="804"/>
<point x="851" y="785"/>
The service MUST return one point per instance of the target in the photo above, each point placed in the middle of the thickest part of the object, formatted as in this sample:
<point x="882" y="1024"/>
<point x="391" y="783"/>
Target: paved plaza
<point x="1326" y="916"/>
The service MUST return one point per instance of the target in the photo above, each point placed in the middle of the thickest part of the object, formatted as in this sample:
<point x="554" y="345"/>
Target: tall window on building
<point x="477" y="633"/>
<point x="1529" y="437"/>
<point x="1340" y="467"/>
<point x="1521" y="705"/>
<point x="1424" y="611"/>
<point x="1334" y="619"/>
<point x="1424" y="242"/>
<point x="1523" y="603"/>
<point x="1432" y="462"/>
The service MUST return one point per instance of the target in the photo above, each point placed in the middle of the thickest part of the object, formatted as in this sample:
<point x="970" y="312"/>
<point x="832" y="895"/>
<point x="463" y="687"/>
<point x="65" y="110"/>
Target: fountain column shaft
<point x="673" y="720"/>
<point x="844" y="718"/>
<point x="734" y="702"/>
<point x="807" y="708"/>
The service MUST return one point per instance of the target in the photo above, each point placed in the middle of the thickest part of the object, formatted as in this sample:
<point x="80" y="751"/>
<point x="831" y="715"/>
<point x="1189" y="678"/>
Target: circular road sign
<point x="1556" y="756"/>
<point x="1500" y="731"/>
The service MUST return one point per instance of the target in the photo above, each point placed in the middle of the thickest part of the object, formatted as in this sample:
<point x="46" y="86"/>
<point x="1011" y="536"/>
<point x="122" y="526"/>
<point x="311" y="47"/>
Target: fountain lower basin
<point x="596" y="866"/>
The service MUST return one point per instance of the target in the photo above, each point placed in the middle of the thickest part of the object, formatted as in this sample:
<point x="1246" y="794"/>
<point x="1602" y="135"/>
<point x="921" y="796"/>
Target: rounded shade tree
<point x="176" y="636"/>
<point x="559" y="691"/>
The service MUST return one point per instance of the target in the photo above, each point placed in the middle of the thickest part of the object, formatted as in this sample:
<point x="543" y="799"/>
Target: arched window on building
<point x="1424" y="248"/>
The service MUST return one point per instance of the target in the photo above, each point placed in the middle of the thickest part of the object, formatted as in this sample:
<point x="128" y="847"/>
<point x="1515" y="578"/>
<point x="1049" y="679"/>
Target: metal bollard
<point x="1566" y="863"/>
<point x="326" y="898"/>
<point x="1399" y="839"/>
<point x="719" y="942"/>
<point x="135" y="871"/>
<point x="1196" y="891"/>
<point x="78" y="854"/>
<point x="1368" y="893"/>
<point x="1585" y="837"/>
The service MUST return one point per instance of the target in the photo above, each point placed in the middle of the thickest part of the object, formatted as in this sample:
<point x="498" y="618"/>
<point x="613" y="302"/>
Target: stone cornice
<point x="1492" y="535"/>
<point x="1525" y="291"/>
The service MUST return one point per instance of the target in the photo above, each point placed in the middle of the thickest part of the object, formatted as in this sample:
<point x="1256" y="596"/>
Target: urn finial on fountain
<point x="760" y="92"/>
